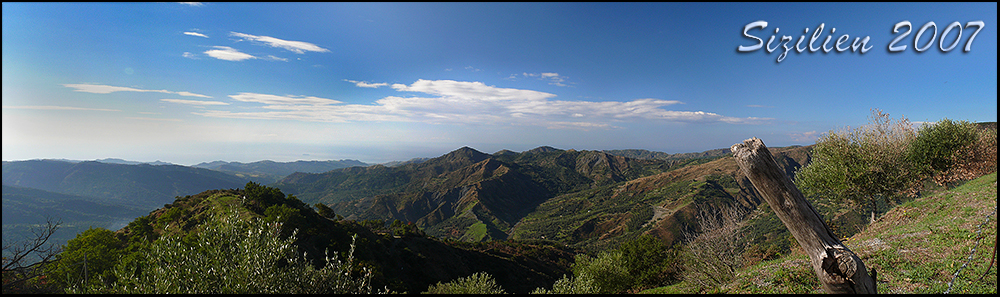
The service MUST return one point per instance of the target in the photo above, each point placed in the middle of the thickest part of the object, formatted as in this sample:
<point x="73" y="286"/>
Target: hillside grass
<point x="917" y="247"/>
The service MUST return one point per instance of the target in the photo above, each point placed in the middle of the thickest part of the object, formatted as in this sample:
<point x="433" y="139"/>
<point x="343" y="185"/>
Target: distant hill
<point x="400" y="163"/>
<point x="143" y="185"/>
<point x="126" y="162"/>
<point x="24" y="208"/>
<point x="268" y="172"/>
<point x="647" y="154"/>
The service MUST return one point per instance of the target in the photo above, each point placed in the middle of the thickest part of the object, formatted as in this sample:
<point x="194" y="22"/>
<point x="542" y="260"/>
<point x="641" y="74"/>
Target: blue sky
<point x="190" y="83"/>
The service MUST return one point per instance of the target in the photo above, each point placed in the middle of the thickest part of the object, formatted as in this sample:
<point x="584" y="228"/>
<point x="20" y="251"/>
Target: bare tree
<point x="26" y="260"/>
<point x="714" y="254"/>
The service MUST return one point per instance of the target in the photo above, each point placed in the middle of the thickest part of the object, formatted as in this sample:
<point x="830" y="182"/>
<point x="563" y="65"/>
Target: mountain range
<point x="585" y="198"/>
<point x="579" y="199"/>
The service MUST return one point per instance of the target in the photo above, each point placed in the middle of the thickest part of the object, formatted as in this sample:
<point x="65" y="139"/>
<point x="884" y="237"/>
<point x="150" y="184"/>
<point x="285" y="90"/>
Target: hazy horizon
<point x="187" y="83"/>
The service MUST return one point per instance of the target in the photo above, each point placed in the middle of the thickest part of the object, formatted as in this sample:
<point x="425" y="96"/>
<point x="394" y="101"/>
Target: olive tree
<point x="864" y="164"/>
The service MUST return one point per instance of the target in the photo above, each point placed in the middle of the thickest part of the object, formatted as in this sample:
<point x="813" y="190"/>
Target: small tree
<point x="864" y="164"/>
<point x="88" y="259"/>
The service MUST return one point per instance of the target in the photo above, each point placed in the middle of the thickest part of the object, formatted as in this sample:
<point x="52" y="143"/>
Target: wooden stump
<point x="839" y="270"/>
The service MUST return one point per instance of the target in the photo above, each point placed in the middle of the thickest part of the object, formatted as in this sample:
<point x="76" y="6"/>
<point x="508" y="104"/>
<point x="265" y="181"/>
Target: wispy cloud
<point x="473" y="103"/>
<point x="553" y="78"/>
<point x="366" y="84"/>
<point x="195" y="4"/>
<point x="228" y="54"/>
<point x="195" y="34"/>
<point x="153" y="119"/>
<point x="276" y="58"/>
<point x="51" y="107"/>
<point x="282" y="100"/>
<point x="298" y="47"/>
<point x="189" y="55"/>
<point x="194" y="102"/>
<point x="105" y="89"/>
<point x="810" y="136"/>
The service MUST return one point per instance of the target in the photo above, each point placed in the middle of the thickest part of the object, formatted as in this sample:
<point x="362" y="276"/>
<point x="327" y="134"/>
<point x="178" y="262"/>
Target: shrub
<point x="648" y="261"/>
<point x="606" y="272"/>
<point x="477" y="283"/>
<point x="233" y="255"/>
<point x="568" y="285"/>
<point x="950" y="151"/>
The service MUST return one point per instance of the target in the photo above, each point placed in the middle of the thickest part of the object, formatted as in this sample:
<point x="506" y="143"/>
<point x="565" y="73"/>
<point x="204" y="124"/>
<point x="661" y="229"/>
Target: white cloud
<point x="194" y="102"/>
<point x="105" y="89"/>
<point x="51" y="107"/>
<point x="188" y="55"/>
<point x="228" y="54"/>
<point x="810" y="136"/>
<point x="153" y="119"/>
<point x="195" y="34"/>
<point x="552" y="77"/>
<point x="366" y="84"/>
<point x="282" y="100"/>
<point x="195" y="4"/>
<point x="275" y="58"/>
<point x="473" y="103"/>
<point x="298" y="47"/>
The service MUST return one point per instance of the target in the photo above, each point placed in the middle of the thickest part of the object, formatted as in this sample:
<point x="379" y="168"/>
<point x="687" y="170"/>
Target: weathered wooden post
<point x="839" y="270"/>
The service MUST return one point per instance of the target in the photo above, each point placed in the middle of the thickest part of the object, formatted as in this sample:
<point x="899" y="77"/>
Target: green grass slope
<point x="916" y="247"/>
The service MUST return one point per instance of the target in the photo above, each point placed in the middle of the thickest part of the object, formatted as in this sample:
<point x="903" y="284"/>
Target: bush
<point x="648" y="261"/>
<point x="233" y="255"/>
<point x="950" y="151"/>
<point x="606" y="272"/>
<point x="936" y="144"/>
<point x="567" y="285"/>
<point x="477" y="283"/>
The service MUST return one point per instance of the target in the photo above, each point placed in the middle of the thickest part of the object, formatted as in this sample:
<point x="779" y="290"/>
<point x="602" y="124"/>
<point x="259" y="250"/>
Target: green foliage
<point x="863" y="164"/>
<point x="606" y="272"/>
<point x="233" y="255"/>
<point x="936" y="144"/>
<point x="325" y="211"/>
<point x="141" y="229"/>
<point x="289" y="217"/>
<point x="88" y="259"/>
<point x="477" y="283"/>
<point x="171" y="215"/>
<point x="648" y="261"/>
<point x="568" y="285"/>
<point x="950" y="151"/>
